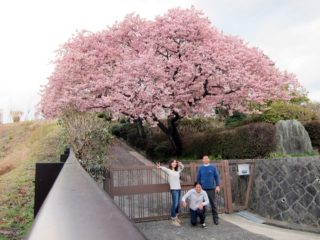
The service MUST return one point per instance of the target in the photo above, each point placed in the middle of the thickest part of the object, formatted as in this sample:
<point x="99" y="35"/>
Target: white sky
<point x="288" y="31"/>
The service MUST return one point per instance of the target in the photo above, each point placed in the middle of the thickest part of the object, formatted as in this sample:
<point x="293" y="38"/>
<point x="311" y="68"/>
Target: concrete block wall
<point x="287" y="190"/>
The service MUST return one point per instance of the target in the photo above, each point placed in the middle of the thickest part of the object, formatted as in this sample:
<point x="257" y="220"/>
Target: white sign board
<point x="243" y="169"/>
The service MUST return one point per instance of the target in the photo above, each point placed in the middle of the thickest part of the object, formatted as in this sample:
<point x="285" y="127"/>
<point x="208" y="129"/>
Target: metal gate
<point x="143" y="193"/>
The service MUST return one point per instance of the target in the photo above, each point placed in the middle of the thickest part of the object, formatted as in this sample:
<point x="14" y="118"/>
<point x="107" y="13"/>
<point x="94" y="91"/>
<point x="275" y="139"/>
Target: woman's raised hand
<point x="158" y="165"/>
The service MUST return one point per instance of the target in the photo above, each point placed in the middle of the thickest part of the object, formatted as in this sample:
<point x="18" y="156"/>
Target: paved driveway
<point x="163" y="230"/>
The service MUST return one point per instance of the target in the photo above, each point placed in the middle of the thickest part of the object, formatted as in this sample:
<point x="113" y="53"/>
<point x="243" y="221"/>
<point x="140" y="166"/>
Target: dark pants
<point x="198" y="213"/>
<point x="211" y="195"/>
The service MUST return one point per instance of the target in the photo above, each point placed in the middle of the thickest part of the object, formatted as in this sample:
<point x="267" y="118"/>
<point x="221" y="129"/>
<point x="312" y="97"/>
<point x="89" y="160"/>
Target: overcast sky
<point x="288" y="31"/>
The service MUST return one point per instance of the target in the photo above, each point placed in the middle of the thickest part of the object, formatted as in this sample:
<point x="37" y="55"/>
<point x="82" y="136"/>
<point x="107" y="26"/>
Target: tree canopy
<point x="175" y="66"/>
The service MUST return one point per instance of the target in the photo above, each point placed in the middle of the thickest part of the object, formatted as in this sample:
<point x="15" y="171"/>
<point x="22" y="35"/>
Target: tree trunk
<point x="172" y="132"/>
<point x="140" y="128"/>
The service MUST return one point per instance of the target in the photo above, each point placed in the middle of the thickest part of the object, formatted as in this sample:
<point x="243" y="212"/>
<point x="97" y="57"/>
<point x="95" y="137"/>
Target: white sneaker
<point x="175" y="222"/>
<point x="204" y="225"/>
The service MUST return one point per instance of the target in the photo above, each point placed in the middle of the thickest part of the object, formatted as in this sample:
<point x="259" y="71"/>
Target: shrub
<point x="197" y="144"/>
<point x="313" y="129"/>
<point x="132" y="135"/>
<point x="197" y="124"/>
<point x="235" y="119"/>
<point x="115" y="129"/>
<point x="163" y="150"/>
<point x="88" y="136"/>
<point x="254" y="140"/>
<point x="285" y="111"/>
<point x="159" y="151"/>
<point x="151" y="145"/>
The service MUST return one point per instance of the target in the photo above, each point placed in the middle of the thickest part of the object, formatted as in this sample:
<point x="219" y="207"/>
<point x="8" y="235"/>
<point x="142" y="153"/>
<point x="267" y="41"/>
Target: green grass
<point x="30" y="142"/>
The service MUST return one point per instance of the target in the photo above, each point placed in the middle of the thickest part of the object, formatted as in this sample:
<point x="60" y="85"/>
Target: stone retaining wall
<point x="287" y="190"/>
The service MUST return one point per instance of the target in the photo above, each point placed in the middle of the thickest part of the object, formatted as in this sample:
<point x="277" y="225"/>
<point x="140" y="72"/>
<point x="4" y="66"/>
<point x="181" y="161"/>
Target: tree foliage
<point x="89" y="137"/>
<point x="176" y="66"/>
<point x="280" y="110"/>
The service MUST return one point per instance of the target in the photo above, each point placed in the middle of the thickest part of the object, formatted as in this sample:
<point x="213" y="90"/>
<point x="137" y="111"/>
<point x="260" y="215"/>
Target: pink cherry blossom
<point x="176" y="66"/>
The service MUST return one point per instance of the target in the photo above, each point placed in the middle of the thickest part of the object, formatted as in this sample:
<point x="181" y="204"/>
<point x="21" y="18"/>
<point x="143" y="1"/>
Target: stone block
<point x="306" y="199"/>
<point x="299" y="210"/>
<point x="309" y="220"/>
<point x="298" y="189"/>
<point x="311" y="190"/>
<point x="311" y="177"/>
<point x="292" y="178"/>
<point x="279" y="176"/>
<point x="310" y="166"/>
<point x="282" y="205"/>
<point x="265" y="176"/>
<point x="317" y="199"/>
<point x="286" y="187"/>
<point x="292" y="197"/>
<point x="271" y="184"/>
<point x="277" y="193"/>
<point x="263" y="191"/>
<point x="314" y="210"/>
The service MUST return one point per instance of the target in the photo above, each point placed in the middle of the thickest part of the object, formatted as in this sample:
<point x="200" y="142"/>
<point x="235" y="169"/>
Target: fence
<point x="142" y="192"/>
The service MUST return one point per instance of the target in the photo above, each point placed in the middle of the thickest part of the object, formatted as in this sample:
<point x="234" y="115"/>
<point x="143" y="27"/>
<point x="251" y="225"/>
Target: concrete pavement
<point x="272" y="232"/>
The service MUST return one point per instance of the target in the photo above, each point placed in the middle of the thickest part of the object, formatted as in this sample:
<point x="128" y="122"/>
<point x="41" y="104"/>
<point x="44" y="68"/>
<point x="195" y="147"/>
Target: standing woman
<point x="173" y="172"/>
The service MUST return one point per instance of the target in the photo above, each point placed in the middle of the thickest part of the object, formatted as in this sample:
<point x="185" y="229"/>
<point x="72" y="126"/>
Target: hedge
<point x="313" y="129"/>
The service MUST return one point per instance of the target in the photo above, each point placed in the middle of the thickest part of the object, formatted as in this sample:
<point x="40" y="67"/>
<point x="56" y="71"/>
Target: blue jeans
<point x="175" y="195"/>
<point x="198" y="213"/>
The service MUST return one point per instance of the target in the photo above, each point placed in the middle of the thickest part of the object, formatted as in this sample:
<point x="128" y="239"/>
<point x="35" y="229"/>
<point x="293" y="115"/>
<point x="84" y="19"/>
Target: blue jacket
<point x="208" y="176"/>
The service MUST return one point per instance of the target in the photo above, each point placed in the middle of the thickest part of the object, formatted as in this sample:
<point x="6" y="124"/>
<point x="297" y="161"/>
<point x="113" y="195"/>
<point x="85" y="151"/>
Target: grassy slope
<point x="21" y="145"/>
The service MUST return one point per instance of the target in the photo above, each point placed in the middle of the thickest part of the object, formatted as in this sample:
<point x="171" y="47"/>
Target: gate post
<point x="228" y="194"/>
<point x="193" y="167"/>
<point x="108" y="182"/>
<point x="252" y="168"/>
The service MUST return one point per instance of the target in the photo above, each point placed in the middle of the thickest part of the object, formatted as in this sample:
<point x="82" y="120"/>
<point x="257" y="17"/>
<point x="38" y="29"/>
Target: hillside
<point x="21" y="145"/>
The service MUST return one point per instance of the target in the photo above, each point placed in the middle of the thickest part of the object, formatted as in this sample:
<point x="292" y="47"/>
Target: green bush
<point x="115" y="129"/>
<point x="132" y="135"/>
<point x="89" y="136"/>
<point x="159" y="150"/>
<point x="135" y="140"/>
<point x="235" y="119"/>
<point x="197" y="124"/>
<point x="125" y="130"/>
<point x="163" y="150"/>
<point x="151" y="145"/>
<point x="313" y="129"/>
<point x="286" y="111"/>
<point x="254" y="140"/>
<point x="140" y="143"/>
<point x="197" y="145"/>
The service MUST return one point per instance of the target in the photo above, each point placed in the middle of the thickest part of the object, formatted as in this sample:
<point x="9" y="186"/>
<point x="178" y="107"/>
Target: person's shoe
<point x="216" y="221"/>
<point x="175" y="222"/>
<point x="203" y="225"/>
<point x="177" y="219"/>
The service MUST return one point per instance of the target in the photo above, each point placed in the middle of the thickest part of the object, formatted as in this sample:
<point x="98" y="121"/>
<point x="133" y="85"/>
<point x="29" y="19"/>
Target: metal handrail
<point x="76" y="208"/>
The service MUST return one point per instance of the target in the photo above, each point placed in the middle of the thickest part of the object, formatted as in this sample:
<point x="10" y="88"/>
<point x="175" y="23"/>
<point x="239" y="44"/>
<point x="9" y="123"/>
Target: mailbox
<point x="243" y="169"/>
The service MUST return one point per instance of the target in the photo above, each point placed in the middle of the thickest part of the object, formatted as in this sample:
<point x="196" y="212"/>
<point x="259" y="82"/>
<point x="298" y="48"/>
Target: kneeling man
<point x="197" y="199"/>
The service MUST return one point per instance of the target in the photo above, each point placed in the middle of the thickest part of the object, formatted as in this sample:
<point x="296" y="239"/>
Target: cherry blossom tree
<point x="161" y="71"/>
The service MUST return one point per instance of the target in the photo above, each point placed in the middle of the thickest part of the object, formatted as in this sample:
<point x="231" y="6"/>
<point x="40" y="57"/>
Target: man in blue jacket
<point x="208" y="176"/>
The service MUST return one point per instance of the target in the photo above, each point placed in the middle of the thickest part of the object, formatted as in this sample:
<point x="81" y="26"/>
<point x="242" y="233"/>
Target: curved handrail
<point x="76" y="208"/>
